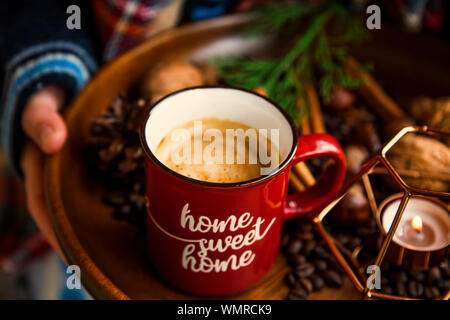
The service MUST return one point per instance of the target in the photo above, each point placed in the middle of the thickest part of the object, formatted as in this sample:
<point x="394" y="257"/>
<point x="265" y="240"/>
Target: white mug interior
<point x="218" y="102"/>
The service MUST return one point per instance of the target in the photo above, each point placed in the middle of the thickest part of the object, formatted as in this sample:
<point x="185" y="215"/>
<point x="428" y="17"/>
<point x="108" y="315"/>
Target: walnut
<point x="422" y="154"/>
<point x="434" y="113"/>
<point x="170" y="77"/>
<point x="210" y="74"/>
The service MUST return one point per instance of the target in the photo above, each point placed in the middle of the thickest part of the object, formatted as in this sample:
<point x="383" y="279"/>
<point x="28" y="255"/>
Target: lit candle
<point x="416" y="224"/>
<point x="414" y="232"/>
<point x="424" y="226"/>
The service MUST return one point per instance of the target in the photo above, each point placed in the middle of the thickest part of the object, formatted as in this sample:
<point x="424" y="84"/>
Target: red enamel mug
<point x="217" y="239"/>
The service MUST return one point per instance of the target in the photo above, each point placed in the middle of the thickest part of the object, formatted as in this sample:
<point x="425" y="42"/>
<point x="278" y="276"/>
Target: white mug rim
<point x="158" y="163"/>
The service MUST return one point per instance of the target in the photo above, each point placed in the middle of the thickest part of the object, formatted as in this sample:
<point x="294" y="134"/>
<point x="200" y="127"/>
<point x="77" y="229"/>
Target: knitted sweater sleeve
<point x="38" y="49"/>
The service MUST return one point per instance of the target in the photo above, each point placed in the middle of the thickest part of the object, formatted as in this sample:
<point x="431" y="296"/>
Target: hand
<point x="46" y="133"/>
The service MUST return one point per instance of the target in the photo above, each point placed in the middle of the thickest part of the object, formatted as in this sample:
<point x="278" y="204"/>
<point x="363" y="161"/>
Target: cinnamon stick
<point x="261" y="91"/>
<point x="300" y="176"/>
<point x="300" y="169"/>
<point x="314" y="109"/>
<point x="305" y="125"/>
<point x="296" y="183"/>
<point x="382" y="104"/>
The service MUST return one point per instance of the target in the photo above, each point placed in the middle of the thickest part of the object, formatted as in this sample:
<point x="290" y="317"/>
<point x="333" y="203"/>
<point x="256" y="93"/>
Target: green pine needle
<point x="316" y="57"/>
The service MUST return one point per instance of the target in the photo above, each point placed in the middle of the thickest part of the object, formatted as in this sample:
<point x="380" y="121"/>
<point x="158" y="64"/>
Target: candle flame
<point x="416" y="223"/>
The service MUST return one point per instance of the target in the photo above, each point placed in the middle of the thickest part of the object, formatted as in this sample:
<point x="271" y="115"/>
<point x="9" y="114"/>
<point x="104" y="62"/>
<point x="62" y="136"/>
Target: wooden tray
<point x="111" y="253"/>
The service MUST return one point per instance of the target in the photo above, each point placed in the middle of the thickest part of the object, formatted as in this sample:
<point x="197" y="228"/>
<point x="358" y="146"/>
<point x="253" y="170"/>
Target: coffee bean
<point x="420" y="289"/>
<point x="296" y="234"/>
<point x="139" y="203"/>
<point x="412" y="289"/>
<point x="305" y="227"/>
<point x="322" y="253"/>
<point x="309" y="247"/>
<point x="334" y="265"/>
<point x="284" y="240"/>
<point x="400" y="289"/>
<point x="431" y="292"/>
<point x="116" y="198"/>
<point x="343" y="239"/>
<point x="399" y="276"/>
<point x="415" y="282"/>
<point x="304" y="270"/>
<point x="123" y="212"/>
<point x="372" y="224"/>
<point x="125" y="209"/>
<point x="445" y="269"/>
<point x="138" y="187"/>
<point x="127" y="165"/>
<point x="304" y="235"/>
<point x="306" y="284"/>
<point x="333" y="278"/>
<point x="292" y="296"/>
<point x="364" y="231"/>
<point x="443" y="284"/>
<point x="299" y="292"/>
<point x="417" y="275"/>
<point x="387" y="289"/>
<point x="320" y="265"/>
<point x="434" y="275"/>
<point x="136" y="197"/>
<point x="297" y="259"/>
<point x="354" y="243"/>
<point x="133" y="152"/>
<point x="294" y="247"/>
<point x="386" y="267"/>
<point x="106" y="155"/>
<point x="317" y="281"/>
<point x="291" y="279"/>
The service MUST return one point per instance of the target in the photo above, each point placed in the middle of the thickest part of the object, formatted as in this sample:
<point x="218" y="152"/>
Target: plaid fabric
<point x="122" y="22"/>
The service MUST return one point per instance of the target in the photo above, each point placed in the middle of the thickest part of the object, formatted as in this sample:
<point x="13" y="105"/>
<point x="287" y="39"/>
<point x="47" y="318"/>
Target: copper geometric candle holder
<point x="347" y="259"/>
<point x="408" y="256"/>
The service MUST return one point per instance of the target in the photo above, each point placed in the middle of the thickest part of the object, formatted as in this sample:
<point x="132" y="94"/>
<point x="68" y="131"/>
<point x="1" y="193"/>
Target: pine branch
<point x="316" y="56"/>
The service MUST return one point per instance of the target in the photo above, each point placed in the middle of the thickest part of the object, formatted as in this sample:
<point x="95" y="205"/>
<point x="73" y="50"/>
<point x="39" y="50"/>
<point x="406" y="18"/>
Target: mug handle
<point x="308" y="147"/>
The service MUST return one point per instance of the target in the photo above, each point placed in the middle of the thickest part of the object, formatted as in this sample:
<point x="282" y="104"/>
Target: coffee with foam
<point x="217" y="150"/>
